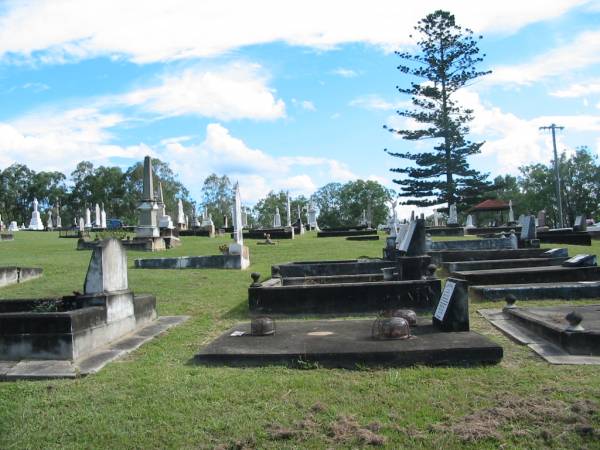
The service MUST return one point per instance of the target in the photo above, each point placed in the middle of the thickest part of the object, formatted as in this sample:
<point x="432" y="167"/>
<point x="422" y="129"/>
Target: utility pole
<point x="553" y="128"/>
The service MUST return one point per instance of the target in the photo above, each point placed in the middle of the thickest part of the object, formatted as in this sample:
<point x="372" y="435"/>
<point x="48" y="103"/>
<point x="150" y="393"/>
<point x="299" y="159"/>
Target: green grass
<point x="155" y="398"/>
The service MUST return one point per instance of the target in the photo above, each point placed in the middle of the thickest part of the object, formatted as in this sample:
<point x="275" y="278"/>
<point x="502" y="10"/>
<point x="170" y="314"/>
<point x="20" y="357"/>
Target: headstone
<point x="511" y="214"/>
<point x="238" y="234"/>
<point x="88" y="218"/>
<point x="277" y="219"/>
<point x="363" y="218"/>
<point x="299" y="222"/>
<point x="414" y="240"/>
<point x="36" y="220"/>
<point x="81" y="225"/>
<point x="541" y="218"/>
<point x="580" y="261"/>
<point x="97" y="219"/>
<point x="528" y="228"/>
<point x="225" y="224"/>
<point x="453" y="216"/>
<point x="452" y="311"/>
<point x="244" y="219"/>
<point x="107" y="271"/>
<point x="13" y="226"/>
<point x="103" y="218"/>
<point x="312" y="215"/>
<point x="58" y="218"/>
<point x="180" y="214"/>
<point x="436" y="218"/>
<point x="289" y="211"/>
<point x="49" y="223"/>
<point x="521" y="219"/>
<point x="469" y="223"/>
<point x="412" y="215"/>
<point x="148" y="206"/>
<point x="580" y="224"/>
<point x="556" y="253"/>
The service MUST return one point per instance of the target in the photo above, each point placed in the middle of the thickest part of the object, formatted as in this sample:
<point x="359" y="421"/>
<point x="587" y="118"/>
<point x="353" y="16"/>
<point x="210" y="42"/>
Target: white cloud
<point x="257" y="171"/>
<point x="514" y="141"/>
<point x="36" y="87"/>
<point x="345" y="73"/>
<point x="582" y="52"/>
<point x="308" y="105"/>
<point x="147" y="31"/>
<point x="236" y="91"/>
<point x="375" y="102"/>
<point x="52" y="140"/>
<point x="578" y="90"/>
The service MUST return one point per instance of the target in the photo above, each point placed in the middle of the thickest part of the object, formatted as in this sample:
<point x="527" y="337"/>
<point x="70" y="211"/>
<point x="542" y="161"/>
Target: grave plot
<point x="398" y="338"/>
<point x="456" y="266"/>
<point x="78" y="334"/>
<point x="441" y="256"/>
<point x="559" y="334"/>
<point x="351" y="286"/>
<point x="13" y="275"/>
<point x="233" y="256"/>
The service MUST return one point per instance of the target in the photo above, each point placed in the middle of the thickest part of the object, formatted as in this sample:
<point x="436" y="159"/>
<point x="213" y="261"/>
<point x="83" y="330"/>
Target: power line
<point x="553" y="128"/>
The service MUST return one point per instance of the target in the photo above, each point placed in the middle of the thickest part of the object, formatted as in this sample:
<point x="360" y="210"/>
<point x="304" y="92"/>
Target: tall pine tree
<point x="446" y="62"/>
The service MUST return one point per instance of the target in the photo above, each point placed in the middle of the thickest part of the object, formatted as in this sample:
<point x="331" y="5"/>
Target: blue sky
<point x="279" y="95"/>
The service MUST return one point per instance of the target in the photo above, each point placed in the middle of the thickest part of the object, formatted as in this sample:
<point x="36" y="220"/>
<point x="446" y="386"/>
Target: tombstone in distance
<point x="528" y="228"/>
<point x="580" y="261"/>
<point x="452" y="311"/>
<point x="580" y="224"/>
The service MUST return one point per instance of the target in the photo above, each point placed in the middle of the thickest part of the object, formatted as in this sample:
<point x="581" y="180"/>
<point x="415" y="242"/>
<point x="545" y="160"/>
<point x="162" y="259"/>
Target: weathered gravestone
<point x="107" y="271"/>
<point x="413" y="242"/>
<point x="580" y="224"/>
<point x="528" y="228"/>
<point x="580" y="261"/>
<point x="452" y="311"/>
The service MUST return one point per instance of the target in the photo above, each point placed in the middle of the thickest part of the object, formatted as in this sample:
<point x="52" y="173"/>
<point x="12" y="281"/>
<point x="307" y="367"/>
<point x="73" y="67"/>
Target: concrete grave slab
<point x="92" y="363"/>
<point x="537" y="291"/>
<point x="346" y="344"/>
<point x="545" y="331"/>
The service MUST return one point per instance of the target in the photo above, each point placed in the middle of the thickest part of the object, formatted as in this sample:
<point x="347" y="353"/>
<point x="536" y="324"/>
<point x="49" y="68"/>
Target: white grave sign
<point x="442" y="306"/>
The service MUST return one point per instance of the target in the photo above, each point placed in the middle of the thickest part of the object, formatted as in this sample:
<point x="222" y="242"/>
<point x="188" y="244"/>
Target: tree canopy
<point x="446" y="62"/>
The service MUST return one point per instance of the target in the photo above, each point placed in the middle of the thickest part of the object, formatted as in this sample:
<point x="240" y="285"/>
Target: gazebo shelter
<point x="491" y="206"/>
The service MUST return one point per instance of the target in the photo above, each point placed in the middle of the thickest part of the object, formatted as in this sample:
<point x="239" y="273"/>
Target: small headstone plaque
<point x="557" y="253"/>
<point x="580" y="261"/>
<point x="580" y="224"/>
<point x="528" y="228"/>
<point x="452" y="311"/>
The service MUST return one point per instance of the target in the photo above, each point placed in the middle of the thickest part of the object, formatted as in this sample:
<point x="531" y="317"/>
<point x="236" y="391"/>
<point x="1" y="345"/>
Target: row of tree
<point x="337" y="204"/>
<point x="119" y="190"/>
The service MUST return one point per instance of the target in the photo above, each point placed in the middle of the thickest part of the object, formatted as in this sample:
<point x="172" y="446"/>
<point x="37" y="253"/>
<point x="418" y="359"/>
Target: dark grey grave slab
<point x="545" y="274"/>
<point x="346" y="344"/>
<point x="445" y="231"/>
<point x="455" y="266"/>
<point x="363" y="238"/>
<point x="545" y="331"/>
<point x="42" y="370"/>
<point x="537" y="291"/>
<point x="473" y="244"/>
<point x="441" y="256"/>
<point x="342" y="298"/>
<point x="566" y="237"/>
<point x="345" y="233"/>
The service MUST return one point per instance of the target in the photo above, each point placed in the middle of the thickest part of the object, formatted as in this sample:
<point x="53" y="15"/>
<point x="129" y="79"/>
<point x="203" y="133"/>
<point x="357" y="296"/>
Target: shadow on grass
<point x="239" y="311"/>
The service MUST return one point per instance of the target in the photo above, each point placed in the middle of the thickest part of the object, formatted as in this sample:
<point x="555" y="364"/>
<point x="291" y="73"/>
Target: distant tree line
<point x="119" y="190"/>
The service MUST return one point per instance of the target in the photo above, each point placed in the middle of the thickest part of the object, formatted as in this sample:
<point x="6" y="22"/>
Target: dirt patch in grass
<point x="343" y="430"/>
<point x="535" y="417"/>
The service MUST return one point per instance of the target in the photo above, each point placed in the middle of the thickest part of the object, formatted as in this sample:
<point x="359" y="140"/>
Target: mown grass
<point x="155" y="398"/>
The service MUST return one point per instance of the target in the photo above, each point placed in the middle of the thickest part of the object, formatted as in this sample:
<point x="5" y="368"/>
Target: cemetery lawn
<point x="155" y="397"/>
